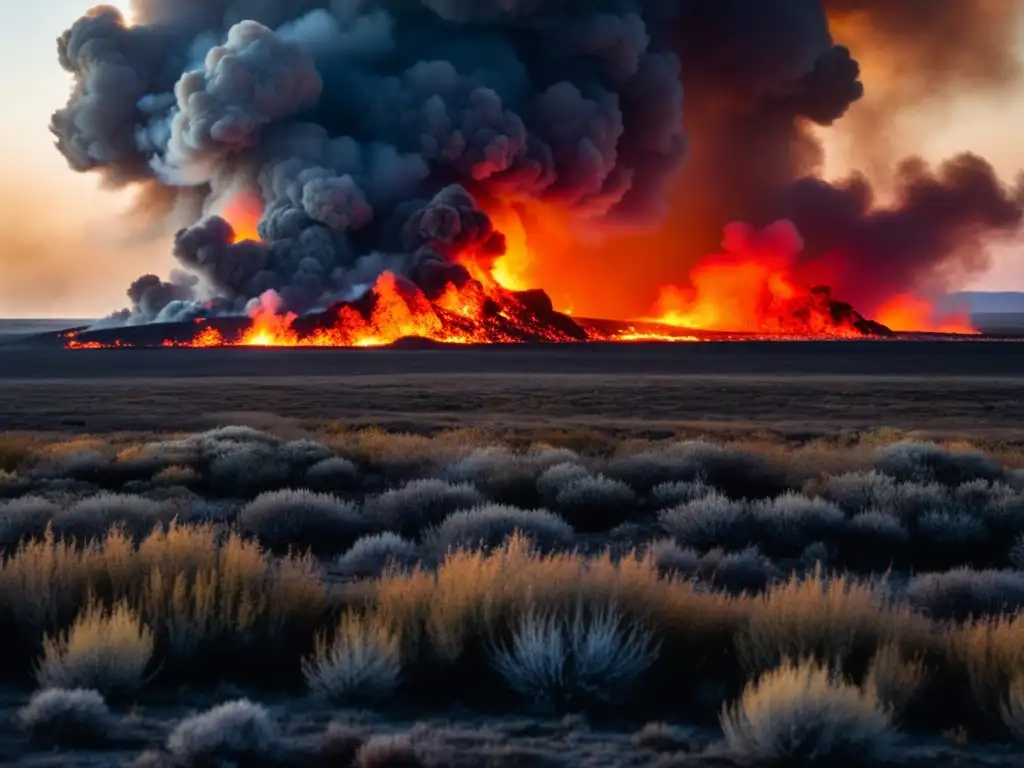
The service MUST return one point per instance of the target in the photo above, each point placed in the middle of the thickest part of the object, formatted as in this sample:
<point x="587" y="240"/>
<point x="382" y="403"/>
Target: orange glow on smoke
<point x="243" y="212"/>
<point x="907" y="312"/>
<point x="755" y="287"/>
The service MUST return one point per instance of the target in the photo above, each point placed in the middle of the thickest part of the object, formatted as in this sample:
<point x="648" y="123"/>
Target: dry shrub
<point x="588" y="656"/>
<point x="553" y="479"/>
<point x="928" y="462"/>
<point x="239" y="599"/>
<point x="673" y="494"/>
<point x="25" y="518"/>
<point x="480" y="596"/>
<point x="709" y="521"/>
<point x="360" y="662"/>
<point x="302" y="519"/>
<point x="830" y="619"/>
<point x="43" y="585"/>
<point x="895" y="678"/>
<point x="419" y="504"/>
<point x="67" y="718"/>
<point x="491" y="525"/>
<point x="333" y="475"/>
<point x="92" y="517"/>
<point x="107" y="651"/>
<point x="389" y="751"/>
<point x="370" y="556"/>
<point x="991" y="654"/>
<point x="790" y="522"/>
<point x="401" y="454"/>
<point x="236" y="732"/>
<point x="801" y="714"/>
<point x="1013" y="710"/>
<point x="177" y="474"/>
<point x="596" y="502"/>
<point x="199" y="592"/>
<point x="962" y="592"/>
<point x="16" y="449"/>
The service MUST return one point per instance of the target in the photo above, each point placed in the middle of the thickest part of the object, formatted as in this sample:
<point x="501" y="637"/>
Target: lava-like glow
<point x="755" y="287"/>
<point x="243" y="211"/>
<point x="907" y="312"/>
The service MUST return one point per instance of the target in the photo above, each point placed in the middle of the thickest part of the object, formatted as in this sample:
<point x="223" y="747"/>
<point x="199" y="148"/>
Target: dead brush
<point x="832" y="619"/>
<point x="104" y="650"/>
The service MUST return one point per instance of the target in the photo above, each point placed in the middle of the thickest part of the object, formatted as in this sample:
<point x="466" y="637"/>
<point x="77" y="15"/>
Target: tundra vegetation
<point x="754" y="600"/>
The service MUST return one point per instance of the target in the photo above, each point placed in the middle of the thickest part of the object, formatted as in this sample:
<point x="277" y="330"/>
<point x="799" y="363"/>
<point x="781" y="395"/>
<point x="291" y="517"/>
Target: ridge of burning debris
<point x="393" y="312"/>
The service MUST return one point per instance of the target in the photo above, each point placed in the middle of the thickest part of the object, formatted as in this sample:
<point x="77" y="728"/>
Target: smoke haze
<point x="383" y="134"/>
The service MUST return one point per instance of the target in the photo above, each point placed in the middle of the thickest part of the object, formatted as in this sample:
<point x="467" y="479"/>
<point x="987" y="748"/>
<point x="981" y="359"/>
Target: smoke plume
<point x="380" y="134"/>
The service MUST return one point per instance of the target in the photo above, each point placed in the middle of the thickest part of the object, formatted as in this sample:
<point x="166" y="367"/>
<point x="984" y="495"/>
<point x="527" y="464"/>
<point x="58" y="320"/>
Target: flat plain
<point x="935" y="388"/>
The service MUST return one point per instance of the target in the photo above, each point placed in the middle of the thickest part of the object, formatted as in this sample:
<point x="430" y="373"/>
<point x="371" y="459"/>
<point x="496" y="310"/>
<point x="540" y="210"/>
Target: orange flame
<point x="754" y="288"/>
<point x="243" y="212"/>
<point x="906" y="312"/>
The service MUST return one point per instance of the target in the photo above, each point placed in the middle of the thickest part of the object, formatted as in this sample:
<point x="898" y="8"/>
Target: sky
<point x="67" y="250"/>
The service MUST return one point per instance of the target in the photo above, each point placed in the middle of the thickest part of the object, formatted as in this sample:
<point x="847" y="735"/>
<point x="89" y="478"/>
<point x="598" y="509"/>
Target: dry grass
<point x="197" y="590"/>
<point x="834" y="620"/>
<point x="991" y="655"/>
<point x="16" y="448"/>
<point x="105" y="650"/>
<point x="895" y="678"/>
<point x="477" y="597"/>
<point x="801" y="714"/>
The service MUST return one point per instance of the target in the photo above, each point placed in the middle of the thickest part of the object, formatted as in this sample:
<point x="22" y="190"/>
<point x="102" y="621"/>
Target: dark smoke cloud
<point x="375" y="129"/>
<point x="759" y="76"/>
<point x="368" y="127"/>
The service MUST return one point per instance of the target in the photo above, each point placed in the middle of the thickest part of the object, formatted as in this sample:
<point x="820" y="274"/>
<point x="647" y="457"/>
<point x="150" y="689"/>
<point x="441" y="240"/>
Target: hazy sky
<point x="64" y="252"/>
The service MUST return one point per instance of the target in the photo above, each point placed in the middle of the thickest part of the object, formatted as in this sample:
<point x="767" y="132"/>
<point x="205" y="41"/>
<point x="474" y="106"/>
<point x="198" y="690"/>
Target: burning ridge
<point x="354" y="172"/>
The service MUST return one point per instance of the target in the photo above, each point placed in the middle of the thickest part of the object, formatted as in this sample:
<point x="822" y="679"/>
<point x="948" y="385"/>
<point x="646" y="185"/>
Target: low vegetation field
<point x="624" y="588"/>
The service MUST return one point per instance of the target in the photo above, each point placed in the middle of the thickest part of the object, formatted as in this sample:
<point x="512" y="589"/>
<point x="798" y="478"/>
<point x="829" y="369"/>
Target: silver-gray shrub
<point x="590" y="656"/>
<point x="927" y="463"/>
<point x="596" y="502"/>
<point x="711" y="521"/>
<point x="235" y="731"/>
<point x="961" y="592"/>
<point x="419" y="504"/>
<point x="669" y="557"/>
<point x="739" y="472"/>
<point x="488" y="526"/>
<point x="553" y="479"/>
<point x="302" y="519"/>
<point x="332" y="475"/>
<point x="788" y="523"/>
<point x="371" y="555"/>
<point x="745" y="571"/>
<point x="92" y="517"/>
<point x="861" y="491"/>
<point x="25" y="518"/>
<point x="675" y="493"/>
<point x="64" y="717"/>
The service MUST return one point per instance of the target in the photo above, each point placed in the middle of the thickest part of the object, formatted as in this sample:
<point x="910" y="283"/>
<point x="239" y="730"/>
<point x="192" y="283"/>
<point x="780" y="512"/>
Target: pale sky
<point x="63" y="248"/>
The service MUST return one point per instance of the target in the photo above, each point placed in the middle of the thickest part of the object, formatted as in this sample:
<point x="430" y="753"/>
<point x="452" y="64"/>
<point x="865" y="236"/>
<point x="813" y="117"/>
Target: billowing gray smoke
<point x="371" y="129"/>
<point x="377" y="131"/>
